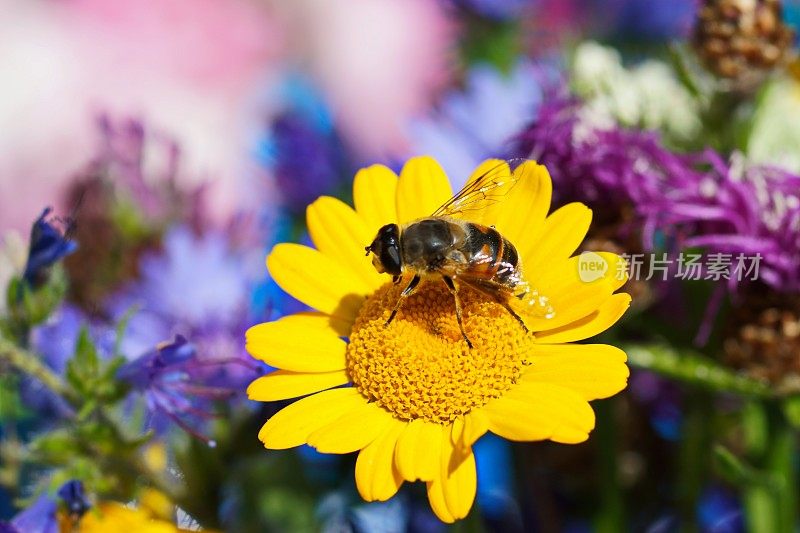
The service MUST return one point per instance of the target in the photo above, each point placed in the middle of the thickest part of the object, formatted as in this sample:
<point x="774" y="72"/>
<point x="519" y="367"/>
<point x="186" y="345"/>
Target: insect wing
<point x="486" y="189"/>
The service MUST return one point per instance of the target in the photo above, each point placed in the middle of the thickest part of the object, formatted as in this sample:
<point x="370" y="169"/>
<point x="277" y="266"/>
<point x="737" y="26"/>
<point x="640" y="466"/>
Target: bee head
<point x="386" y="250"/>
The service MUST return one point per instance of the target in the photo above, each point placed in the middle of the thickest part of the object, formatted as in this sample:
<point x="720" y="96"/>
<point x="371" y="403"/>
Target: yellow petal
<point x="374" y="190"/>
<point x="476" y="423"/>
<point x="573" y="292"/>
<point x="557" y="239"/>
<point x="376" y="475"/>
<point x="592" y="370"/>
<point x="351" y="431"/>
<point x="514" y="419"/>
<point x="417" y="453"/>
<point x="589" y="326"/>
<point x="339" y="233"/>
<point x="452" y="493"/>
<point x="282" y="384"/>
<point x="317" y="280"/>
<point x="571" y="417"/>
<point x="320" y="321"/>
<point x="292" y="425"/>
<point x="291" y="346"/>
<point x="422" y="188"/>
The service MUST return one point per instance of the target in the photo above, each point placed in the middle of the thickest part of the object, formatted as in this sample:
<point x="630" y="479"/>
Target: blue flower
<point x="198" y="285"/>
<point x="303" y="148"/>
<point x="47" y="246"/>
<point x="74" y="498"/>
<point x="42" y="515"/>
<point x="177" y="384"/>
<point x="480" y="121"/>
<point x="719" y="511"/>
<point x="196" y="280"/>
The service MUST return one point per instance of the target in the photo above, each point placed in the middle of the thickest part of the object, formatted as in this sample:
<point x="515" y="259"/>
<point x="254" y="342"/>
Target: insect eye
<point x="390" y="258"/>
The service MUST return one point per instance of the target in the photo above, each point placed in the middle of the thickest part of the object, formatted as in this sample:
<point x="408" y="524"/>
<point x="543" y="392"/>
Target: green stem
<point x="28" y="363"/>
<point x="693" y="368"/>
<point x="780" y="464"/>
<point x="611" y="513"/>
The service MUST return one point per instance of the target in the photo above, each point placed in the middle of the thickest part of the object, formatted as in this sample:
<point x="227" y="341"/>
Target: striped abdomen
<point x="490" y="256"/>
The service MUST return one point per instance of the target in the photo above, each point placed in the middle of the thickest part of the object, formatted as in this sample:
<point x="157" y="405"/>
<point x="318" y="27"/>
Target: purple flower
<point x="197" y="285"/>
<point x="74" y="498"/>
<point x="749" y="210"/>
<point x="612" y="169"/>
<point x="307" y="163"/>
<point x="303" y="149"/>
<point x="197" y="280"/>
<point x="176" y="383"/>
<point x="143" y="163"/>
<point x="47" y="246"/>
<point x="479" y="121"/>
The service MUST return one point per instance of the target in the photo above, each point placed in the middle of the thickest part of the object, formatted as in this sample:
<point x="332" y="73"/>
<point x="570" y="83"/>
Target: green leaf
<point x="11" y="406"/>
<point x="13" y="292"/>
<point x="791" y="408"/>
<point x="56" y="447"/>
<point x="84" y="367"/>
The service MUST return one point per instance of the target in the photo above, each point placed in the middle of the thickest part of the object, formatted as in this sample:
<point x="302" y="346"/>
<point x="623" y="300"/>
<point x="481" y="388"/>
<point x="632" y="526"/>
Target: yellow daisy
<point x="112" y="517"/>
<point x="419" y="397"/>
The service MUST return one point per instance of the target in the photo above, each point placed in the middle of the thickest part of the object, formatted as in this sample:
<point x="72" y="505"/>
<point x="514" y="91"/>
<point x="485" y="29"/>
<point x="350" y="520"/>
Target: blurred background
<point x="178" y="140"/>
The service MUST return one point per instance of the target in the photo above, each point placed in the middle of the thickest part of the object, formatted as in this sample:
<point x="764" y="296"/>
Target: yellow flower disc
<point x="419" y="366"/>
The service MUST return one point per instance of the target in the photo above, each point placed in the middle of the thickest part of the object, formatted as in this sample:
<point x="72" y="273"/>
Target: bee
<point x="448" y="247"/>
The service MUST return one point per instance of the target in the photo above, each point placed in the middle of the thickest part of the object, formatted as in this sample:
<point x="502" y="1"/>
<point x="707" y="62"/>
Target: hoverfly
<point x="457" y="251"/>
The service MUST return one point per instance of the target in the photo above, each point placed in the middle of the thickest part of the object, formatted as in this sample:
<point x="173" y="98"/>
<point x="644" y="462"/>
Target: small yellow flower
<point x="419" y="397"/>
<point x="112" y="517"/>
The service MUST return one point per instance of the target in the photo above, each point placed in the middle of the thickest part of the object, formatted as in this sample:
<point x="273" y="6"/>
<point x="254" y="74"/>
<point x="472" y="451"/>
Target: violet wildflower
<point x="39" y="517"/>
<point x="172" y="378"/>
<point x="627" y="176"/>
<point x="74" y="499"/>
<point x="48" y="245"/>
<point x="749" y="217"/>
<point x="304" y="149"/>
<point x="198" y="285"/>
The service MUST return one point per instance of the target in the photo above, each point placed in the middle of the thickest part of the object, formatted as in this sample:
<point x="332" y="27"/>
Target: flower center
<point x="419" y="366"/>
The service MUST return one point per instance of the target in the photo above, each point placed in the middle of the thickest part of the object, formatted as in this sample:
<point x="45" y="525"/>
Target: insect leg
<point x="493" y="291"/>
<point x="403" y="295"/>
<point x="452" y="287"/>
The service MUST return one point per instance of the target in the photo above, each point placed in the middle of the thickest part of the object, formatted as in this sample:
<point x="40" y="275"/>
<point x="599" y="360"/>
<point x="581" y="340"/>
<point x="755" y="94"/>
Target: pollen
<point x="419" y="366"/>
